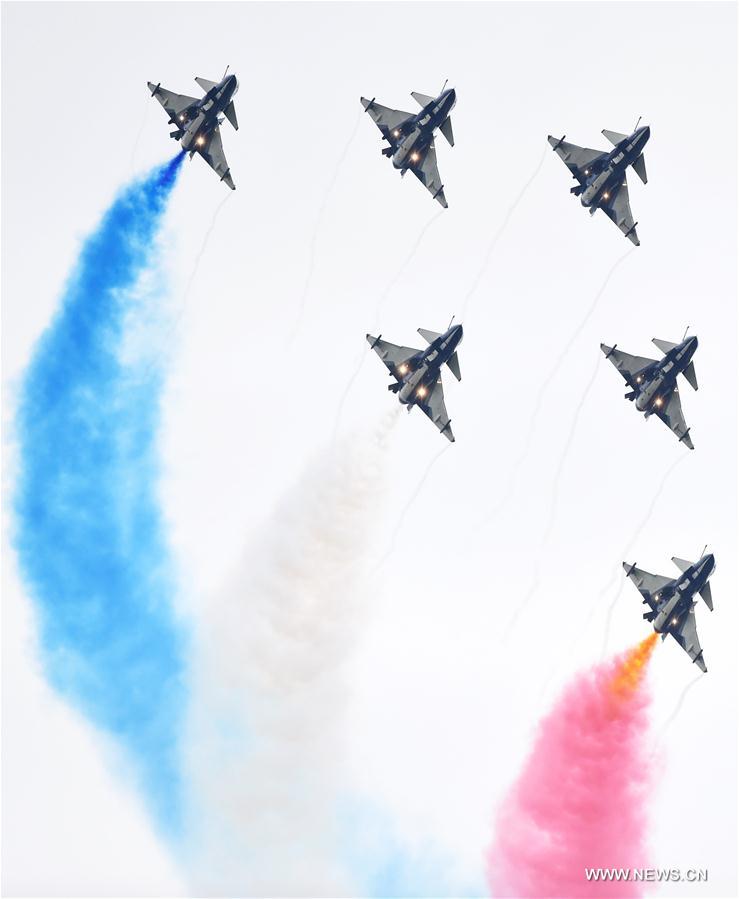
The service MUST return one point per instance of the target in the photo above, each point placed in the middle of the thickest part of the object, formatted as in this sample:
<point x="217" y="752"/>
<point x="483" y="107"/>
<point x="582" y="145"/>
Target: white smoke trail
<point x="317" y="228"/>
<point x="270" y="691"/>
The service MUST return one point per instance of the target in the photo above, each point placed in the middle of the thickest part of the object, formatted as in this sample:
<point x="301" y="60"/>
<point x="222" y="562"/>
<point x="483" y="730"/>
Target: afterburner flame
<point x="630" y="672"/>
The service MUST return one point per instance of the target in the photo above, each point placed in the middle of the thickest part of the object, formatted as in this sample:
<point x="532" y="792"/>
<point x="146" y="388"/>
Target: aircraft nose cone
<point x="709" y="562"/>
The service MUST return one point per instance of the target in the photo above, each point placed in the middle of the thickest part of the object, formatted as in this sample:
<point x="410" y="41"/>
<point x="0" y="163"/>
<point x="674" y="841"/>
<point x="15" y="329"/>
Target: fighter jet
<point x="671" y="603"/>
<point x="411" y="137"/>
<point x="197" y="121"/>
<point x="417" y="373"/>
<point x="601" y="176"/>
<point x="653" y="382"/>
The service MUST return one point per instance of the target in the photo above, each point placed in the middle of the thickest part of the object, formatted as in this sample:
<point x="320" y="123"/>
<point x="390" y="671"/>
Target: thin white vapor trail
<point x="496" y="237"/>
<point x="407" y="507"/>
<point x="382" y="299"/>
<point x="536" y="578"/>
<point x="616" y="578"/>
<point x="676" y="711"/>
<point x="199" y="256"/>
<point x="270" y="689"/>
<point x="380" y="303"/>
<point x="317" y="228"/>
<point x="566" y="451"/>
<point x="537" y="404"/>
<point x="173" y="325"/>
<point x="645" y="521"/>
<point x="137" y="141"/>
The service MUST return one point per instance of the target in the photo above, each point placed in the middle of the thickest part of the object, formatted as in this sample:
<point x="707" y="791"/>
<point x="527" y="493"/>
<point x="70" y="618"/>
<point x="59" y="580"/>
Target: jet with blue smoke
<point x="89" y="533"/>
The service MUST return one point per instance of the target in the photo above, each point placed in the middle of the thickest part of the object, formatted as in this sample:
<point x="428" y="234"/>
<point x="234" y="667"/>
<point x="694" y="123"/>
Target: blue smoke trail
<point x="386" y="867"/>
<point x="88" y="531"/>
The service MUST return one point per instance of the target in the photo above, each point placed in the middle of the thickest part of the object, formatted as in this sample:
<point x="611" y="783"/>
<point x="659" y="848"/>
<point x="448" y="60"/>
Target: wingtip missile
<point x="555" y="142"/>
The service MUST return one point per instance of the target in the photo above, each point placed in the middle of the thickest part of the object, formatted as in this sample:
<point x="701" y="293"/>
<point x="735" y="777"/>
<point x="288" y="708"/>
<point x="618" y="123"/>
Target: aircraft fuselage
<point x="656" y="382"/>
<point x="676" y="600"/>
<point x="415" y="136"/>
<point x="200" y="119"/>
<point x="422" y="371"/>
<point x="607" y="173"/>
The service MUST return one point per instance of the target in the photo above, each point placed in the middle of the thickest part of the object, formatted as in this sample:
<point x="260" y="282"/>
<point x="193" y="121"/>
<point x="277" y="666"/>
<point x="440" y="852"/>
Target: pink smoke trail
<point x="580" y="800"/>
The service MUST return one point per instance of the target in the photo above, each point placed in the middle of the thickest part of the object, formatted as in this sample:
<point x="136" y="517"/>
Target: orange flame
<point x="630" y="671"/>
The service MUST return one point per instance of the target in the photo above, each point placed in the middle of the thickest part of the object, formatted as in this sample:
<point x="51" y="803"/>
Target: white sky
<point x="442" y="710"/>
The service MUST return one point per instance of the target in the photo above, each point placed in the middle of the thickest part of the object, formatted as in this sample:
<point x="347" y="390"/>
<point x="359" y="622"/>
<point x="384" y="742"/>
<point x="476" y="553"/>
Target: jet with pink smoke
<point x="580" y="801"/>
<point x="671" y="603"/>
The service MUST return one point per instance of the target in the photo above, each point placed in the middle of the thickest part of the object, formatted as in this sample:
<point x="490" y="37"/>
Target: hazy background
<point x="444" y="697"/>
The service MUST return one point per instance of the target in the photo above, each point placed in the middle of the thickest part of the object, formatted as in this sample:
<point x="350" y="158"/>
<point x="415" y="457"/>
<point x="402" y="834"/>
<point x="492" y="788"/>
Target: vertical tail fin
<point x="689" y="372"/>
<point x="421" y="99"/>
<point x="230" y="113"/>
<point x="640" y="167"/>
<point x="446" y="130"/>
<point x="453" y="363"/>
<point x="615" y="137"/>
